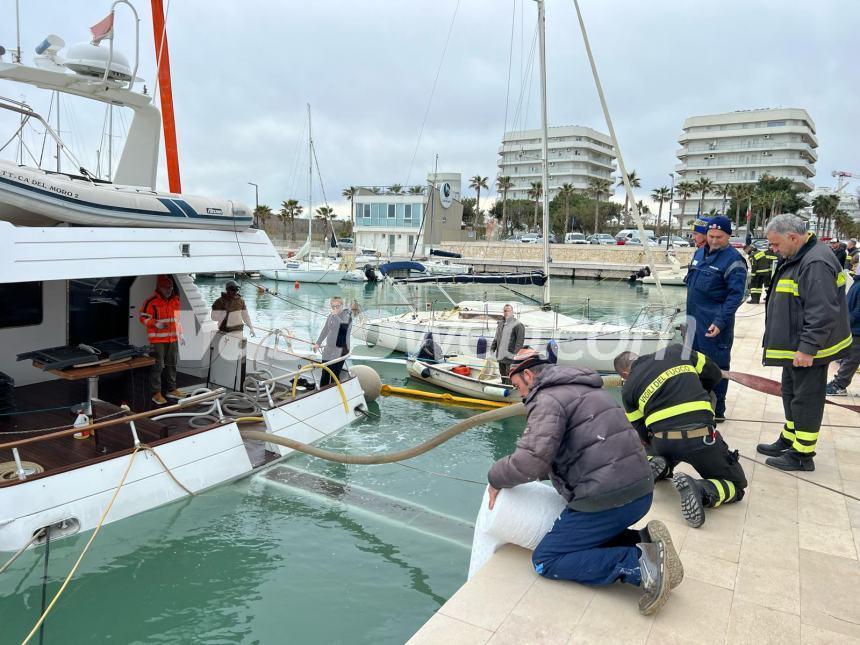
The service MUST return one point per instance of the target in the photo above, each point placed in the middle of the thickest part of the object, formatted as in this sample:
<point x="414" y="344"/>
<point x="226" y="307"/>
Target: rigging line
<point x="803" y="479"/>
<point x="18" y="553"/>
<point x="432" y="92"/>
<point x="510" y="63"/>
<point x="299" y="148"/>
<point x="530" y="66"/>
<point x="435" y="474"/>
<point x="45" y="133"/>
<point x="45" y="581"/>
<point x="319" y="174"/>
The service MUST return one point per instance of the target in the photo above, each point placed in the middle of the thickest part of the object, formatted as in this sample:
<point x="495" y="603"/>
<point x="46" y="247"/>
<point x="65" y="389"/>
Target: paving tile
<point x="810" y="635"/>
<point x="485" y="601"/>
<point x="710" y="569"/>
<point x="821" y="506"/>
<point x="556" y="603"/>
<point x="699" y="542"/>
<point x="444" y="629"/>
<point x="613" y="617"/>
<point x="779" y="508"/>
<point x="518" y="630"/>
<point x="512" y="563"/>
<point x="829" y="592"/>
<point x="832" y="540"/>
<point x="696" y="612"/>
<point x="770" y="587"/>
<point x="755" y="625"/>
<point x="770" y="543"/>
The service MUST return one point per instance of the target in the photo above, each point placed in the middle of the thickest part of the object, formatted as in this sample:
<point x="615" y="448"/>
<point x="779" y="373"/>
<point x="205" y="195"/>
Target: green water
<point x="251" y="562"/>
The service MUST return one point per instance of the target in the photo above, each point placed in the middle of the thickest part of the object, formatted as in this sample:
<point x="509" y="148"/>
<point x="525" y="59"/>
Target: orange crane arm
<point x="165" y="91"/>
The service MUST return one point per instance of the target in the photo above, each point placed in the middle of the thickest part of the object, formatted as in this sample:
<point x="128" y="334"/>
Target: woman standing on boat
<point x="510" y="338"/>
<point x="334" y="339"/>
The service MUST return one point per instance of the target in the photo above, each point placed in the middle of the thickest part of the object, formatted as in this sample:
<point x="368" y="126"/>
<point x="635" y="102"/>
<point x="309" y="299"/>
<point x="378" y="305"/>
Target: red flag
<point x="749" y="212"/>
<point x="102" y="29"/>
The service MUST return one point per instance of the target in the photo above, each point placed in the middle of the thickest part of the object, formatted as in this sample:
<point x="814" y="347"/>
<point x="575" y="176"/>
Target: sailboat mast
<point x="545" y="146"/>
<point x="310" y="174"/>
<point x="58" y="130"/>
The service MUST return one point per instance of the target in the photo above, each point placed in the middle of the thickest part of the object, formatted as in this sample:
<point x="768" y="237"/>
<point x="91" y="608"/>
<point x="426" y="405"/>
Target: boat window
<point x="23" y="304"/>
<point x="99" y="309"/>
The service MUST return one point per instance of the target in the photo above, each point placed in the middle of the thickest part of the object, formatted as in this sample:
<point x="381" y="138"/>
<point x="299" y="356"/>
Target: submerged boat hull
<point x="441" y="376"/>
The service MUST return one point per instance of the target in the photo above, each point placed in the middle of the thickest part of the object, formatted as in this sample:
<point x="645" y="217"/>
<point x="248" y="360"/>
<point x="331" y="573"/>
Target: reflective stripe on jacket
<point x="157" y="309"/>
<point x="761" y="263"/>
<point x="806" y="308"/>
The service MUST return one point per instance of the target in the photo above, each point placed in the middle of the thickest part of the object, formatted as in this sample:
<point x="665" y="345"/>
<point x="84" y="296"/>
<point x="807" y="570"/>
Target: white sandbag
<point x="522" y="515"/>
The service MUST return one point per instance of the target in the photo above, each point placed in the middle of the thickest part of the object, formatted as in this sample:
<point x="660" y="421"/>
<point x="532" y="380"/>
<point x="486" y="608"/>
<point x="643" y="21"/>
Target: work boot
<point x="774" y="449"/>
<point x="158" y="399"/>
<point x="692" y="508"/>
<point x="835" y="390"/>
<point x="659" y="467"/>
<point x="176" y="394"/>
<point x="791" y="460"/>
<point x="658" y="532"/>
<point x="655" y="581"/>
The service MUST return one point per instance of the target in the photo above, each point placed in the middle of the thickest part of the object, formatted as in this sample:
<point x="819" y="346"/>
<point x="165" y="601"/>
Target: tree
<point x="290" y="209"/>
<point x="517" y="211"/>
<point x="262" y="213"/>
<point x="469" y="214"/>
<point x="566" y="193"/>
<point x="285" y="215"/>
<point x="597" y="188"/>
<point x="535" y="192"/>
<point x="704" y="186"/>
<point x="660" y="195"/>
<point x="683" y="191"/>
<point x="325" y="213"/>
<point x="724" y="191"/>
<point x="643" y="210"/>
<point x="739" y="193"/>
<point x="635" y="182"/>
<point x="350" y="193"/>
<point x="824" y="206"/>
<point x="504" y="184"/>
<point x="416" y="190"/>
<point x="395" y="189"/>
<point x="476" y="183"/>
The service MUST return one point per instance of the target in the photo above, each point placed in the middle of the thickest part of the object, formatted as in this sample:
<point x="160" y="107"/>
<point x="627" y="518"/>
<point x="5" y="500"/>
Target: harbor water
<point x="365" y="557"/>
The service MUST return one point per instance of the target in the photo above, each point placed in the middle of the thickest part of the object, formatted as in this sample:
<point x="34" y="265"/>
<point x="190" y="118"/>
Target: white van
<point x="622" y="236"/>
<point x="575" y="238"/>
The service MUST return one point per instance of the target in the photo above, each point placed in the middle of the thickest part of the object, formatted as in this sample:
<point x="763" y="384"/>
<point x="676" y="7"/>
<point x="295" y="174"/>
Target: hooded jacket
<point x="578" y="437"/>
<point x="334" y="336"/>
<point x="806" y="308"/>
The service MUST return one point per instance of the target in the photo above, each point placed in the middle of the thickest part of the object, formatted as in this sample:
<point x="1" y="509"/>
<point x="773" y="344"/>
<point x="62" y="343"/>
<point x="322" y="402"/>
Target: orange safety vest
<point x="158" y="309"/>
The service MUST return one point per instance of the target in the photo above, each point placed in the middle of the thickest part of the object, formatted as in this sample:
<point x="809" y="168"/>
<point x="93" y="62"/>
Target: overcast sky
<point x="243" y="72"/>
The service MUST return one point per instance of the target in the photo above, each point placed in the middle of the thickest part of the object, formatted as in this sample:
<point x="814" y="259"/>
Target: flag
<point x="749" y="211"/>
<point x="102" y="29"/>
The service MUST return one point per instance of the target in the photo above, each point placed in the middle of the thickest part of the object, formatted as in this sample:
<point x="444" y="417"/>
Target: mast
<point x="429" y="237"/>
<point x="58" y="129"/>
<point x="165" y="92"/>
<point x="545" y="145"/>
<point x="110" y="143"/>
<point x="310" y="176"/>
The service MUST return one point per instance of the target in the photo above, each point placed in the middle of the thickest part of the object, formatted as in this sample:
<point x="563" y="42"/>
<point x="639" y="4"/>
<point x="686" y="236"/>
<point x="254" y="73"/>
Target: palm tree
<point x="395" y="189"/>
<point x="477" y="183"/>
<point x="375" y="190"/>
<point x="643" y="209"/>
<point x="285" y="215"/>
<point x="504" y="184"/>
<point x="416" y="190"/>
<point x="598" y="187"/>
<point x="325" y="213"/>
<point x="535" y="192"/>
<point x="824" y="206"/>
<point x="635" y="182"/>
<point x="293" y="210"/>
<point x="349" y="193"/>
<point x="704" y="186"/>
<point x="683" y="191"/>
<point x="262" y="213"/>
<point x="724" y="190"/>
<point x="566" y="192"/>
<point x="660" y="195"/>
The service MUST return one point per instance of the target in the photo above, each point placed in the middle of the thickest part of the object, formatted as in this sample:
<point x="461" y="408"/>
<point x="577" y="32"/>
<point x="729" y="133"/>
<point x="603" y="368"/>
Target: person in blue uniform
<point x="716" y="282"/>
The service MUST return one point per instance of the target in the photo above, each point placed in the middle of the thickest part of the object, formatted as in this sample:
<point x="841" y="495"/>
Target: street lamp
<point x="256" y="202"/>
<point x="671" y="203"/>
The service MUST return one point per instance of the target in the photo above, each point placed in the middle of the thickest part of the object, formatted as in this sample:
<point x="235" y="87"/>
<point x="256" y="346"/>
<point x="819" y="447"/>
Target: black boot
<point x="692" y="506"/>
<point x="774" y="449"/>
<point x="659" y="467"/>
<point x="792" y="460"/>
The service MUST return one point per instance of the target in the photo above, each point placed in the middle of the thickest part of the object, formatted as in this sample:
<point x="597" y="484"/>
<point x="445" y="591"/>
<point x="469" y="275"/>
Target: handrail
<point x="287" y="375"/>
<point x="182" y="403"/>
<point x="312" y="366"/>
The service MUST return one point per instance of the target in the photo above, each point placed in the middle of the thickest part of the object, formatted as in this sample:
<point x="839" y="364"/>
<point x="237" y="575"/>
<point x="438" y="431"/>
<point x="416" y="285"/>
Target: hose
<point x="516" y="409"/>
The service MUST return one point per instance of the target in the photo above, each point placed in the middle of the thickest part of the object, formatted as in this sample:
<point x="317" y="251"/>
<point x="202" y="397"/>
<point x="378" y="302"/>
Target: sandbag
<point x="522" y="515"/>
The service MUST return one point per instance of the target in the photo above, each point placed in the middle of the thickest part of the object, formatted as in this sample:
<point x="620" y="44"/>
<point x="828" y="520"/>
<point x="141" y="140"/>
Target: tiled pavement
<point x="781" y="566"/>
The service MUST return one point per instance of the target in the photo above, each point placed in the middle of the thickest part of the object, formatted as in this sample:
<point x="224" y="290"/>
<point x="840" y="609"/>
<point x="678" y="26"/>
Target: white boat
<point x="312" y="270"/>
<point x="673" y="277"/>
<point x="446" y="267"/>
<point x="482" y="382"/>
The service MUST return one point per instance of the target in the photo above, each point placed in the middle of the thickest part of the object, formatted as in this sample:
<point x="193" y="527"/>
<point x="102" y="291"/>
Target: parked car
<point x="761" y="243"/>
<point x="575" y="238"/>
<point x="601" y="238"/>
<point x="530" y="238"/>
<point x="737" y="242"/>
<point x="636" y="241"/>
<point x="622" y="236"/>
<point x="346" y="243"/>
<point x="675" y="241"/>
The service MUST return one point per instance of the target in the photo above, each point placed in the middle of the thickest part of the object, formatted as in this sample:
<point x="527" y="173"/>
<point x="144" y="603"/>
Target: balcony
<point x="751" y="147"/>
<point x="767" y="161"/>
<point x="751" y="132"/>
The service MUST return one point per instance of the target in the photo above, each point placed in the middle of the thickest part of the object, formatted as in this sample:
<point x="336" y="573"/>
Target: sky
<point x="244" y="72"/>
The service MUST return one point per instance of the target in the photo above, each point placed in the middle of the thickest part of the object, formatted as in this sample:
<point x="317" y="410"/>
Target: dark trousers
<point x="719" y="350"/>
<point x="336" y="367"/>
<point x="849" y="365"/>
<point x="723" y="480"/>
<point x="758" y="283"/>
<point x="803" y="394"/>
<point x="593" y="548"/>
<point x="504" y="369"/>
<point x="166" y="357"/>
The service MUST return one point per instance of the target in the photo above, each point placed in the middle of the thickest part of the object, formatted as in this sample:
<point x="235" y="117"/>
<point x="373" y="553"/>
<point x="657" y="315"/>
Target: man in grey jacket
<point x="579" y="438"/>
<point x="334" y="339"/>
<point x="510" y="338"/>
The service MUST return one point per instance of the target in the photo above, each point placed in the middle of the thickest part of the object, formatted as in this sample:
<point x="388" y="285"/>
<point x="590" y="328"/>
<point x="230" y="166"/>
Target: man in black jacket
<point x="667" y="399"/>
<point x="509" y="339"/>
<point x="806" y="327"/>
<point x="577" y="437"/>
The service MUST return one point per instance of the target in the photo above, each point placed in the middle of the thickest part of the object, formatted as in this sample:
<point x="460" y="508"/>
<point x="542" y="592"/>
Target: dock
<point x="780" y="566"/>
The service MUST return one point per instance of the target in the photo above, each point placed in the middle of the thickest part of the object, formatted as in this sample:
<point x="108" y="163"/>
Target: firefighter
<point x="761" y="267"/>
<point x="160" y="315"/>
<point x="667" y="398"/>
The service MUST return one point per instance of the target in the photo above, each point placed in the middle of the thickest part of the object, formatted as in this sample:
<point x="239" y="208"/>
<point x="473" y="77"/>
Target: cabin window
<point x="23" y="304"/>
<point x="99" y="309"/>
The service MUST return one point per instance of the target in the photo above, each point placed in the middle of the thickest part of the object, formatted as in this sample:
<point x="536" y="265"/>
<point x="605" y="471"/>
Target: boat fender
<point x="497" y="391"/>
<point x="482" y="347"/>
<point x="425" y="373"/>
<point x="296" y="285"/>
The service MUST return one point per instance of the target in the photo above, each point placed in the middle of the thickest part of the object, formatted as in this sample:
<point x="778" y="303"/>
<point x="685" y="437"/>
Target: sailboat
<point x="584" y="342"/>
<point x="301" y="267"/>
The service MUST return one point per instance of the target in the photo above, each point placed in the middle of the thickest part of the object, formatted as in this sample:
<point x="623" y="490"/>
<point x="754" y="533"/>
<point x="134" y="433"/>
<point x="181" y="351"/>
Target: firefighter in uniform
<point x="761" y="268"/>
<point x="716" y="283"/>
<point x="806" y="328"/>
<point x="667" y="399"/>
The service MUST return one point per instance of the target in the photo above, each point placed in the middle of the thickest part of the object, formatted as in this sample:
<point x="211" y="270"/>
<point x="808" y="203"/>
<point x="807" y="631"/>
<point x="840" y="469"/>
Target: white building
<point x="740" y="147"/>
<point x="575" y="154"/>
<point x="848" y="202"/>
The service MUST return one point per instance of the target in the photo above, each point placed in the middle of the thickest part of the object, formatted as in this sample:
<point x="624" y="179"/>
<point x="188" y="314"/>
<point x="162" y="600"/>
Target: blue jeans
<point x="593" y="548"/>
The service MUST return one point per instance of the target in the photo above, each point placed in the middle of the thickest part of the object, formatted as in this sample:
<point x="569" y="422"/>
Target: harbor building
<point x="740" y="147"/>
<point x="392" y="219"/>
<point x="575" y="154"/>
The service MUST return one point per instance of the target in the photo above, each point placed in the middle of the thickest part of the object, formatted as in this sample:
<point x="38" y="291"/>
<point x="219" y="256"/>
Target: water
<point x="255" y="562"/>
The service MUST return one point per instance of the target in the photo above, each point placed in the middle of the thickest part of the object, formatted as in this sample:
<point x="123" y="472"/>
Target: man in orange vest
<point x="160" y="315"/>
